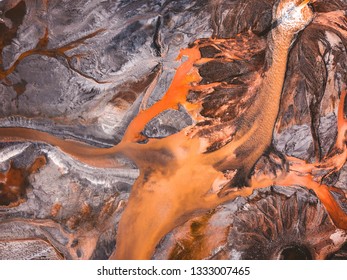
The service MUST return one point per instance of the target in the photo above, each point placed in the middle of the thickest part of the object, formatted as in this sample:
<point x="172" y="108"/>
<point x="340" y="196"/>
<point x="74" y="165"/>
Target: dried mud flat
<point x="163" y="129"/>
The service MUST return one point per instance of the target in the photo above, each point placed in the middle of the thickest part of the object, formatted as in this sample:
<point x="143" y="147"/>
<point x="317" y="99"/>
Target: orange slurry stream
<point x="164" y="196"/>
<point x="311" y="175"/>
<point x="97" y="157"/>
<point x="323" y="192"/>
<point x="41" y="49"/>
<point x="176" y="94"/>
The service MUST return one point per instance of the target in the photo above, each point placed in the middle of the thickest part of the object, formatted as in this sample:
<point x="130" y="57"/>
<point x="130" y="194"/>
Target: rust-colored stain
<point x="197" y="240"/>
<point x="55" y="209"/>
<point x="14" y="181"/>
<point x="16" y="15"/>
<point x="41" y="47"/>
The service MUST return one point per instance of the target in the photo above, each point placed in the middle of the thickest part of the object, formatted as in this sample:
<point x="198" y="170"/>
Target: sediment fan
<point x="133" y="154"/>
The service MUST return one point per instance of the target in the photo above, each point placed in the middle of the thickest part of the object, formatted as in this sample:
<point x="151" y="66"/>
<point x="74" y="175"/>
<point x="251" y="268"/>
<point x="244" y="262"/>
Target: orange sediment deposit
<point x="55" y="209"/>
<point x="13" y="183"/>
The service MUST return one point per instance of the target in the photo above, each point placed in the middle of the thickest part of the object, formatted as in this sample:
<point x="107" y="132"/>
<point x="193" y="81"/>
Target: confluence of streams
<point x="161" y="197"/>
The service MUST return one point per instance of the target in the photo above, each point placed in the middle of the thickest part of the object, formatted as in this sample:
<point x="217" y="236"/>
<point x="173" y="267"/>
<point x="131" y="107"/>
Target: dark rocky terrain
<point x="81" y="71"/>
